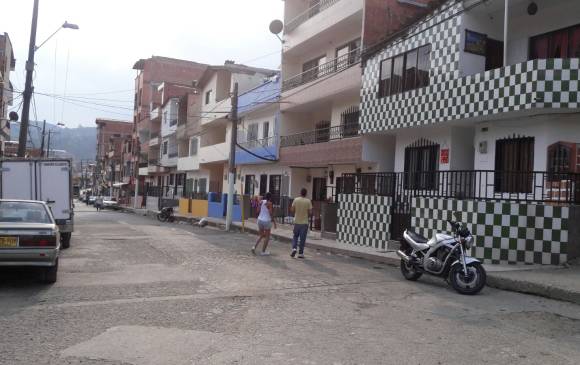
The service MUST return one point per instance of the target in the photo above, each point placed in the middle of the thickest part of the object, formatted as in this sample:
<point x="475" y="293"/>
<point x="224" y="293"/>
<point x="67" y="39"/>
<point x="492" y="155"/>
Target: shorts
<point x="264" y="225"/>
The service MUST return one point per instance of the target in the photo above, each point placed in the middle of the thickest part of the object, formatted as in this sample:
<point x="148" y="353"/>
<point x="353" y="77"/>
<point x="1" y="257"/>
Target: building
<point x="259" y="141"/>
<point x="151" y="74"/>
<point x="476" y="121"/>
<point x="207" y="141"/>
<point x="112" y="136"/>
<point x="7" y="64"/>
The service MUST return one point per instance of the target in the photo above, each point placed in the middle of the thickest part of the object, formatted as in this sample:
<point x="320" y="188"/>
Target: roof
<point x="117" y="121"/>
<point x="140" y="64"/>
<point x="235" y="68"/>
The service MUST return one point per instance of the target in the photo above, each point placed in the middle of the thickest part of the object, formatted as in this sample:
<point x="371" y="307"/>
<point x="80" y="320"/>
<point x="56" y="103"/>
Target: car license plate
<point x="8" y="242"/>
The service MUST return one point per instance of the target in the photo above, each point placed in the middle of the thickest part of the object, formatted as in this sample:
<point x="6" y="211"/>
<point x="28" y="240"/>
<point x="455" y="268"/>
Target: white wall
<point x="406" y="137"/>
<point x="462" y="148"/>
<point x="546" y="130"/>
<point x="380" y="149"/>
<point x="171" y="109"/>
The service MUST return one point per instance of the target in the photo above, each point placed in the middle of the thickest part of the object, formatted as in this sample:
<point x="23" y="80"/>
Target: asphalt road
<point x="134" y="291"/>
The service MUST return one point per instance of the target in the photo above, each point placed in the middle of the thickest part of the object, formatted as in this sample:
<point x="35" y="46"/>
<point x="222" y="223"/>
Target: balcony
<point x="266" y="148"/>
<point x="214" y="153"/>
<point x="320" y="147"/>
<point x="155" y="113"/>
<point x="309" y="13"/>
<point x="188" y="163"/>
<point x="322" y="23"/>
<point x="154" y="139"/>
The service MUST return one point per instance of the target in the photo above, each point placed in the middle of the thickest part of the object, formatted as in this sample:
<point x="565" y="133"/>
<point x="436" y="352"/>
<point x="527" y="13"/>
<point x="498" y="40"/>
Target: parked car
<point x="29" y="237"/>
<point x="92" y="199"/>
<point x="110" y="203"/>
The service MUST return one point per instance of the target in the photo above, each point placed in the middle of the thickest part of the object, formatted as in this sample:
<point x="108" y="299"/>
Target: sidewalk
<point x="556" y="282"/>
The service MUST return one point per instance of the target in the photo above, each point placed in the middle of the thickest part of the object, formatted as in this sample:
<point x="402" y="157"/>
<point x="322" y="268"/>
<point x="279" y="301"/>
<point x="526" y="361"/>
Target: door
<point x="54" y="184"/>
<point x="263" y="184"/>
<point x="493" y="54"/>
<point x="23" y="173"/>
<point x="275" y="186"/>
<point x="249" y="185"/>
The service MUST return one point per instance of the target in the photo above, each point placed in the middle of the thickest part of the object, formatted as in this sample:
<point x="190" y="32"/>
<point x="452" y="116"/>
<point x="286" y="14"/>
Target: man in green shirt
<point x="302" y="209"/>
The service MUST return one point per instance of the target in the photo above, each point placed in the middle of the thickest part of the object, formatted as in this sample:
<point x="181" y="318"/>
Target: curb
<point x="526" y="287"/>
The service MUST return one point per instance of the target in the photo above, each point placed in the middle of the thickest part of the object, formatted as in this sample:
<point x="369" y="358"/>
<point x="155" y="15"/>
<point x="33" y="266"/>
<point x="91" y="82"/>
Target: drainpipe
<point x="505" y="32"/>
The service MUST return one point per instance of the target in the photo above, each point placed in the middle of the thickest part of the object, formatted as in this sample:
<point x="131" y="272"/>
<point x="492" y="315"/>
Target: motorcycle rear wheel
<point x="409" y="272"/>
<point x="161" y="217"/>
<point x="470" y="285"/>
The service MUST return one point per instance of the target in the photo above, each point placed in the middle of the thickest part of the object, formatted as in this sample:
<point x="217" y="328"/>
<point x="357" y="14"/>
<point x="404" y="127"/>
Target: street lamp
<point x="28" y="89"/>
<point x="48" y="143"/>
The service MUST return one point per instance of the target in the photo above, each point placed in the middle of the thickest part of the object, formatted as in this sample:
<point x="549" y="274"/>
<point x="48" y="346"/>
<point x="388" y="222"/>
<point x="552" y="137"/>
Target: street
<point x="134" y="291"/>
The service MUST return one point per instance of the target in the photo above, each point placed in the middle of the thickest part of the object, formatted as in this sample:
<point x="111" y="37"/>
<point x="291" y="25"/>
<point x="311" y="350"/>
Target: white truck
<point x="48" y="180"/>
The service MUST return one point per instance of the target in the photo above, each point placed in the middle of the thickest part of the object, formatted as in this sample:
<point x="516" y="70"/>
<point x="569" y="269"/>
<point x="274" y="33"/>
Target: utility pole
<point x="48" y="145"/>
<point x="137" y="153"/>
<point x="42" y="140"/>
<point x="28" y="89"/>
<point x="232" y="173"/>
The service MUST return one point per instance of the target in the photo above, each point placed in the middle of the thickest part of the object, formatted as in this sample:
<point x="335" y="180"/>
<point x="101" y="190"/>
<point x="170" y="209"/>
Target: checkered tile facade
<point x="551" y="83"/>
<point x="505" y="233"/>
<point x="364" y="220"/>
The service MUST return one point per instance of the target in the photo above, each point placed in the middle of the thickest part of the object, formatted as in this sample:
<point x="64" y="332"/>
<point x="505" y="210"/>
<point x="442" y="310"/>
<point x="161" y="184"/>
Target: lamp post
<point x="28" y="88"/>
<point x="48" y="143"/>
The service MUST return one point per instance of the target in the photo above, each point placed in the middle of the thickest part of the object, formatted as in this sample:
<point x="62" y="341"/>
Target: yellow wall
<point x="199" y="208"/>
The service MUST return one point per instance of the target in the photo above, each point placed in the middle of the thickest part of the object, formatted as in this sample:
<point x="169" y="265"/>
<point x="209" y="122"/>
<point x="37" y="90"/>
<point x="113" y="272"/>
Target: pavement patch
<point x="145" y="345"/>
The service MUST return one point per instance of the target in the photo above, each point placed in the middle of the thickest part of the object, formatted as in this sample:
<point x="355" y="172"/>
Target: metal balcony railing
<point x="308" y="13"/>
<point x="521" y="186"/>
<point x="264" y="142"/>
<point x="320" y="135"/>
<point x="331" y="67"/>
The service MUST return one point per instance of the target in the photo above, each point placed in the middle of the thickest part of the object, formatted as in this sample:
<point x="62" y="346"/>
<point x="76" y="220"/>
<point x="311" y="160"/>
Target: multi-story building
<point x="7" y="64"/>
<point x="475" y="120"/>
<point x="111" y="138"/>
<point x="258" y="140"/>
<point x="152" y="73"/>
<point x="208" y="149"/>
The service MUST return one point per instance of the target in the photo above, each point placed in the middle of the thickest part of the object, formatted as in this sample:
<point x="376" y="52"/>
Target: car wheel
<point x="50" y="273"/>
<point x="65" y="239"/>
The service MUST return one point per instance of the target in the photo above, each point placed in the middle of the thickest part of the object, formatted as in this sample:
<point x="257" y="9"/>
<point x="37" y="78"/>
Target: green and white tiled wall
<point x="364" y="220"/>
<point x="505" y="233"/>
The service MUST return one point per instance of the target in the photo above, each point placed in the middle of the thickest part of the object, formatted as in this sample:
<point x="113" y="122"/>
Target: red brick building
<point x="111" y="138"/>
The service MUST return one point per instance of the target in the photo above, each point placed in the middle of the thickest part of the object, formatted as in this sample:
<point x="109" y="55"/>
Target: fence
<point x="320" y="135"/>
<point x="532" y="186"/>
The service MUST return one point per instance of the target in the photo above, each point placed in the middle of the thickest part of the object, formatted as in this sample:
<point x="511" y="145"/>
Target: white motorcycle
<point x="444" y="256"/>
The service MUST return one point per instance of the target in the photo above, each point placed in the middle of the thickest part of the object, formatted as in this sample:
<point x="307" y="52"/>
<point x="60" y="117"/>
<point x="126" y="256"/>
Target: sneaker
<point x="293" y="253"/>
<point x="265" y="253"/>
<point x="254" y="250"/>
<point x="300" y="255"/>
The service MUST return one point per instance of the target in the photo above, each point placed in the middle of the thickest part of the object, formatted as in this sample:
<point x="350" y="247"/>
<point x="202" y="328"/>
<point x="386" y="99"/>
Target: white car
<point x="110" y="203"/>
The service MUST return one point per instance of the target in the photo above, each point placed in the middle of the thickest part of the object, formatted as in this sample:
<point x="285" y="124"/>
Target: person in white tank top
<point x="265" y="222"/>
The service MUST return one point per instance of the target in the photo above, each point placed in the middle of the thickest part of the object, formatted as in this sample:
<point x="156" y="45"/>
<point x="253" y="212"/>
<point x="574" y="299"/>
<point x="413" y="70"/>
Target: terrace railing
<point x="532" y="186"/>
<point x="331" y="67"/>
<point x="320" y="135"/>
<point x="308" y="13"/>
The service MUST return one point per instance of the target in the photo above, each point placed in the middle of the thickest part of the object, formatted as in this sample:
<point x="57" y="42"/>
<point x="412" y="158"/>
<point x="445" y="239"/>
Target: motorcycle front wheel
<point x="409" y="272"/>
<point x="469" y="284"/>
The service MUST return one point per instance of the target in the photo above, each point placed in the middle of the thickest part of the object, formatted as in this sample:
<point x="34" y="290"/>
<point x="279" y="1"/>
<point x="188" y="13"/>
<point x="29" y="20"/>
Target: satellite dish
<point x="13" y="116"/>
<point x="276" y="26"/>
<point x="532" y="8"/>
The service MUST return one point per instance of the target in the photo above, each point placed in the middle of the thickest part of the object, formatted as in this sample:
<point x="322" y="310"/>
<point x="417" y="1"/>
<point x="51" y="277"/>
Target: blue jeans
<point x="300" y="231"/>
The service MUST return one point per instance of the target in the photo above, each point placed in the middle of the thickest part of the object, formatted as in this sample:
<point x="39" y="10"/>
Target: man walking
<point x="302" y="209"/>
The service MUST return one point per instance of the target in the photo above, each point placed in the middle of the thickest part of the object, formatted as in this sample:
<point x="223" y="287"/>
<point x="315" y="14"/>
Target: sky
<point x="84" y="74"/>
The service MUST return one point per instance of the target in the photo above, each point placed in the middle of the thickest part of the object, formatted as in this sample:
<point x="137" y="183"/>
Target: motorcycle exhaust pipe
<point x="403" y="256"/>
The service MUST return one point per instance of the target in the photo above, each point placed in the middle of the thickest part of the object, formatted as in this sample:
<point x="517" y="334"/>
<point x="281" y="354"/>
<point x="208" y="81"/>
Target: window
<point x="322" y="132"/>
<point x="263" y="184"/>
<point x="349" y="121"/>
<point x="202" y="186"/>
<point x="208" y="97"/>
<point x="420" y="165"/>
<point x="346" y="55"/>
<point x="249" y="185"/>
<point x="405" y="72"/>
<point x="165" y="144"/>
<point x="193" y="144"/>
<point x="562" y="43"/>
<point x="266" y="130"/>
<point x="252" y="135"/>
<point x="173" y="113"/>
<point x="514" y="162"/>
<point x="560" y="159"/>
<point x="275" y="185"/>
<point x="311" y="70"/>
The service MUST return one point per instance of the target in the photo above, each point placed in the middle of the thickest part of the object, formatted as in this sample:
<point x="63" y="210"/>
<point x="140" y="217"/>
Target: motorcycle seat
<point x="417" y="237"/>
<point x="416" y="241"/>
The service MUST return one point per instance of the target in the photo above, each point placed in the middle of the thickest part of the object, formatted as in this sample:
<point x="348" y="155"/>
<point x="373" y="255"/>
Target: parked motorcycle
<point x="444" y="256"/>
<point x="166" y="215"/>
